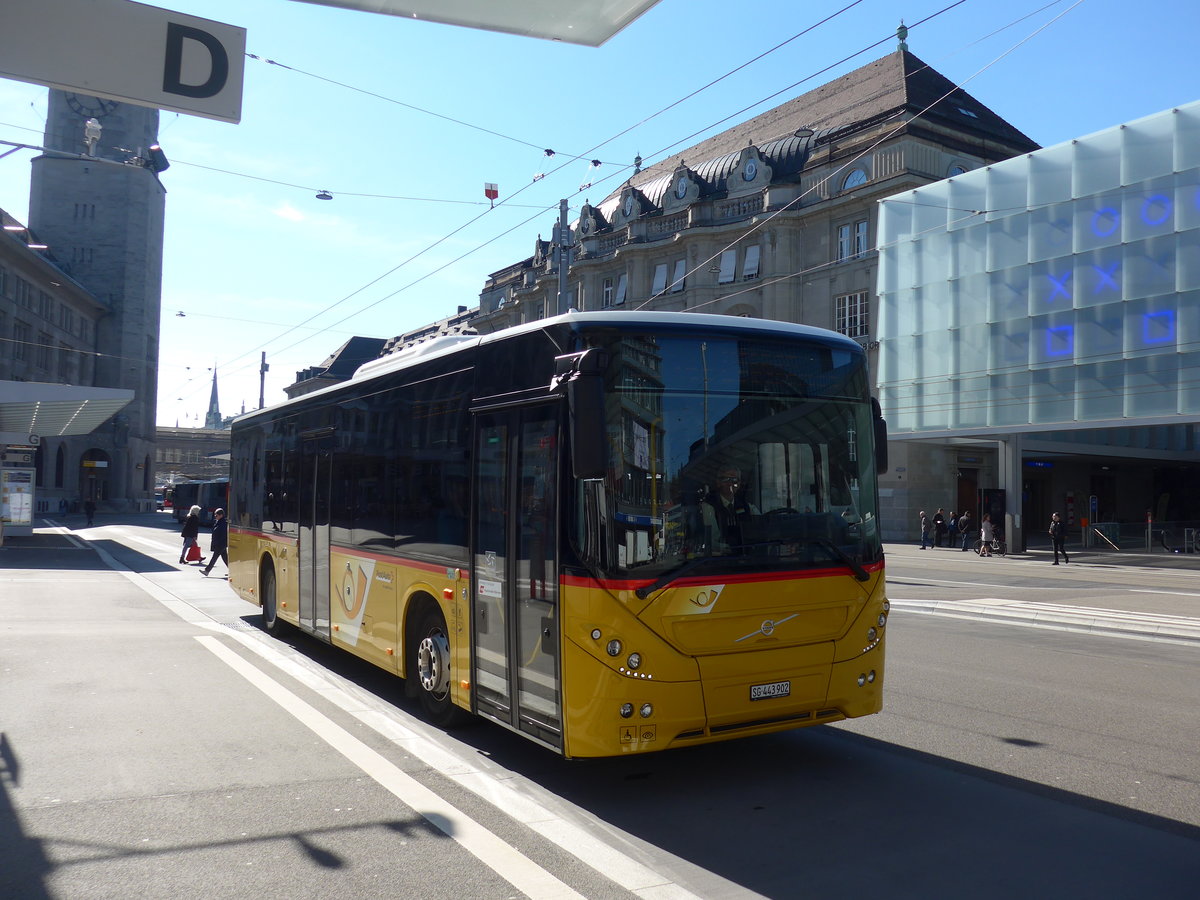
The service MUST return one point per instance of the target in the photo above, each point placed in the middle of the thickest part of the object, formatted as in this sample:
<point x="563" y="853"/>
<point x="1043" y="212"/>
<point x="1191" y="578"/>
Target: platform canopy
<point x="586" y="22"/>
<point x="29" y="408"/>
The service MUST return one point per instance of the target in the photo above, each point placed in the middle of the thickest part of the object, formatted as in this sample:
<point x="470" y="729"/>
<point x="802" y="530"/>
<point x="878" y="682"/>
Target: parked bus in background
<point x="610" y="532"/>
<point x="208" y="495"/>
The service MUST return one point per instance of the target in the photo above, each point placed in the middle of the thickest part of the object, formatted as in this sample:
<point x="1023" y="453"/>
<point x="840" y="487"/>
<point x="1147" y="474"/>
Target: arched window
<point x="854" y="179"/>
<point x="955" y="171"/>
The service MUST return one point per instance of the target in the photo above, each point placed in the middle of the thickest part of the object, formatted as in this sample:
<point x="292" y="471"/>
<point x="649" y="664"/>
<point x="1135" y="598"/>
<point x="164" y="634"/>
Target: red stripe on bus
<point x="357" y="554"/>
<point x="613" y="584"/>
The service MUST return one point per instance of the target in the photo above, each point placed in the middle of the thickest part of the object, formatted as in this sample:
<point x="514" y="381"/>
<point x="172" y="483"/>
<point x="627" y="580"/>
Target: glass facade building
<point x="1055" y="291"/>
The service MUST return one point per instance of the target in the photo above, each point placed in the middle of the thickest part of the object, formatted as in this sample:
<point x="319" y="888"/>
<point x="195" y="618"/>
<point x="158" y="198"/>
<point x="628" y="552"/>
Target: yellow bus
<point x="611" y="532"/>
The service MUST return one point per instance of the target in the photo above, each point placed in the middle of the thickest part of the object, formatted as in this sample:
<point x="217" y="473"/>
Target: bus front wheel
<point x="270" y="603"/>
<point x="431" y="669"/>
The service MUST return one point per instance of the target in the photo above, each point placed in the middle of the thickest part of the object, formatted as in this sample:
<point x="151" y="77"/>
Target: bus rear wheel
<point x="430" y="669"/>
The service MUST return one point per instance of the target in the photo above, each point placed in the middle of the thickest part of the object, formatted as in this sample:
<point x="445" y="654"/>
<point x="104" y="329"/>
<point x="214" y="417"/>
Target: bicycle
<point x="997" y="547"/>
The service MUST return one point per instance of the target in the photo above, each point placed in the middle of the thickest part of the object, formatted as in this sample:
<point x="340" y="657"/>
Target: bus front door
<point x="313" y="550"/>
<point x="515" y="609"/>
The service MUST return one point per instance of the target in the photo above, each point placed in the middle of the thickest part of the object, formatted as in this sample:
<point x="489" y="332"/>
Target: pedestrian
<point x="220" y="543"/>
<point x="62" y="506"/>
<point x="1058" y="535"/>
<point x="985" y="535"/>
<point x="191" y="529"/>
<point x="952" y="524"/>
<point x="939" y="527"/>
<point x="965" y="529"/>
<point x="89" y="509"/>
<point x="925" y="542"/>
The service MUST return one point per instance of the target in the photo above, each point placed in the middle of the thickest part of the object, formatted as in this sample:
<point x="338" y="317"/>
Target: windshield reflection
<point x="730" y="453"/>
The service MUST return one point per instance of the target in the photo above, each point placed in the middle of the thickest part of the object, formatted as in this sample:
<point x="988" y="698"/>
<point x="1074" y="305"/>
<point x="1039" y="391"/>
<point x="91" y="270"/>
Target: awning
<point x="574" y="21"/>
<point x="30" y="408"/>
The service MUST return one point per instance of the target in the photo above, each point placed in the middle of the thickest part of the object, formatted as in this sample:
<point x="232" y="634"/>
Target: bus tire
<point x="430" y="668"/>
<point x="272" y="624"/>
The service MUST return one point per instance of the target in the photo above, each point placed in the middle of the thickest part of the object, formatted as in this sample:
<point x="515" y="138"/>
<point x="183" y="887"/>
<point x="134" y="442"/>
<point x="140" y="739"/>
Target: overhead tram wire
<point x="554" y="171"/>
<point x="428" y="112"/>
<point x="507" y="201"/>
<point x="850" y="162"/>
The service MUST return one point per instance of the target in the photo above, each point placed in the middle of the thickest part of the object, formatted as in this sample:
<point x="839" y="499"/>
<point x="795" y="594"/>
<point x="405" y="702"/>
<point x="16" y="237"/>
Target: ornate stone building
<point x="775" y="217"/>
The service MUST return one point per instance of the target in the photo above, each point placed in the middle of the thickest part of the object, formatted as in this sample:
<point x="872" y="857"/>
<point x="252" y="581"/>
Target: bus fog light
<point x="595" y="634"/>
<point x="872" y="634"/>
<point x="614" y="647"/>
<point x="862" y="679"/>
<point x="626" y="710"/>
<point x="647" y="710"/>
<point x="871" y="676"/>
<point x="635" y="660"/>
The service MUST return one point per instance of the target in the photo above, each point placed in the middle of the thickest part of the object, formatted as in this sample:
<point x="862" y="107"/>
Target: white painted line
<point x="514" y="867"/>
<point x="1169" y="593"/>
<point x="487" y="784"/>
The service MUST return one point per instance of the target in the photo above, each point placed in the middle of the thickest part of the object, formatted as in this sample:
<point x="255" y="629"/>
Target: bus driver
<point x="725" y="509"/>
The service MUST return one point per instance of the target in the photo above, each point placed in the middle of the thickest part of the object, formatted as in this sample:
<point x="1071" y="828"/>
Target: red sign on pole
<point x="491" y="191"/>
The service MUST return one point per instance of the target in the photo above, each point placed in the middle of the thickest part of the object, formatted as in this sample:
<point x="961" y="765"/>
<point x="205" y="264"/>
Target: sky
<point x="404" y="122"/>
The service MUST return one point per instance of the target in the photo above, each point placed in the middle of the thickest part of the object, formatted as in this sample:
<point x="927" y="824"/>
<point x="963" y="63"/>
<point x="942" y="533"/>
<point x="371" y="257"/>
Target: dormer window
<point x="854" y="179"/>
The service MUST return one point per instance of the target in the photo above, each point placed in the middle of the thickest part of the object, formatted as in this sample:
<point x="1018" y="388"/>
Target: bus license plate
<point x="767" y="691"/>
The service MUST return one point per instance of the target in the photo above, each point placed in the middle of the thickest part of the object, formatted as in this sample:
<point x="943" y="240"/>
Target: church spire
<point x="213" y="419"/>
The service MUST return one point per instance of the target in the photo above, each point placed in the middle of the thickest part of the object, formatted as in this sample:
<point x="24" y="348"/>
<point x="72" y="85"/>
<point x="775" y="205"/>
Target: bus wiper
<point x="859" y="572"/>
<point x="678" y="572"/>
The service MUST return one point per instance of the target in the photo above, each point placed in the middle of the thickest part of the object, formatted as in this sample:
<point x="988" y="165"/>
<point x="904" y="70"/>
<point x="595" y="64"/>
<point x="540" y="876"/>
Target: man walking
<point x="966" y="529"/>
<point x="220" y="542"/>
<point x="1058" y="537"/>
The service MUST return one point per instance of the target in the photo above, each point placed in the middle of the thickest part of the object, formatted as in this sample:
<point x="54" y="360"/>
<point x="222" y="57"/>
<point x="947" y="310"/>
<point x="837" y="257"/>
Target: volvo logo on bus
<point x="766" y="629"/>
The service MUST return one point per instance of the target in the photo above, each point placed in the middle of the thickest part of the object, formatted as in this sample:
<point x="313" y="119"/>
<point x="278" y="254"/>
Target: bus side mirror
<point x="581" y="377"/>
<point x="881" y="446"/>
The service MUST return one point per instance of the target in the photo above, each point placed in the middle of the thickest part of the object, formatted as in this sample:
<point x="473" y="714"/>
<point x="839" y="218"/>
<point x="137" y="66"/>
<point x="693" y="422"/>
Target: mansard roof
<point x="898" y="86"/>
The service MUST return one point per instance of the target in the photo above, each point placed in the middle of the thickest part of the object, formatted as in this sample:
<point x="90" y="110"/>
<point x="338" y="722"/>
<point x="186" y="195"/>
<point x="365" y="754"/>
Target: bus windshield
<point x="730" y="453"/>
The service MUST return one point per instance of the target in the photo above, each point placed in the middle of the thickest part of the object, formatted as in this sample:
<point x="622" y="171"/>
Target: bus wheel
<point x="431" y="669"/>
<point x="270" y="605"/>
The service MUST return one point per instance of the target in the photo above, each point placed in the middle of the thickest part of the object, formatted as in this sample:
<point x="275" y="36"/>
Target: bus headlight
<point x="614" y="647"/>
<point x="635" y="660"/>
<point x="626" y="710"/>
<point x="882" y="620"/>
<point x="647" y="710"/>
<point x="871" y="635"/>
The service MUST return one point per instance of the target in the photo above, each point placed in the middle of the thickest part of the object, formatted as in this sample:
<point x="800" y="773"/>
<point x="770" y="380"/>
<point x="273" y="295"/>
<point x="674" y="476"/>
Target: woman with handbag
<point x="191" y="530"/>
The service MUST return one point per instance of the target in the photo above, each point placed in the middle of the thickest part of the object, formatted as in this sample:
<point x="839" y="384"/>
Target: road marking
<point x="488" y="785"/>
<point x="514" y="867"/>
<point x="1170" y="593"/>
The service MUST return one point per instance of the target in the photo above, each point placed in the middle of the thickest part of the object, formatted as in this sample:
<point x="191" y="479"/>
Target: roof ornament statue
<point x="902" y="36"/>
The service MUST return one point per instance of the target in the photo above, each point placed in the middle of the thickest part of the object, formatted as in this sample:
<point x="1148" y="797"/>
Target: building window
<point x="728" y="264"/>
<point x="852" y="241"/>
<point x="750" y="265"/>
<point x="854" y="179"/>
<point x="608" y="292"/>
<point x="850" y="315"/>
<point x="622" y="287"/>
<point x="660" y="280"/>
<point x="679" y="279"/>
<point x="20" y="340"/>
<point x="43" y="351"/>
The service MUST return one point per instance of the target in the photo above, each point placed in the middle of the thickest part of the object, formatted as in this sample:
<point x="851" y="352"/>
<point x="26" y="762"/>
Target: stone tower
<point x="102" y="217"/>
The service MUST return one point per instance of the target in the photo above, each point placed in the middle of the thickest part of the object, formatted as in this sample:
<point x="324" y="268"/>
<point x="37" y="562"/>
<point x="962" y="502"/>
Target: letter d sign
<point x="173" y="64"/>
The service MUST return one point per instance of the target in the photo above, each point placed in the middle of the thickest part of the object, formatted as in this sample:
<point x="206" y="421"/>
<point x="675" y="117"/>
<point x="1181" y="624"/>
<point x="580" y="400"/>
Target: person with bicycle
<point x="985" y="535"/>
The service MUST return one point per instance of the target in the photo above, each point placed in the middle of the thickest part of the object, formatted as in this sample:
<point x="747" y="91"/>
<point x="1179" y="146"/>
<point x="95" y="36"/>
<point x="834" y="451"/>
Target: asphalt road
<point x="154" y="743"/>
